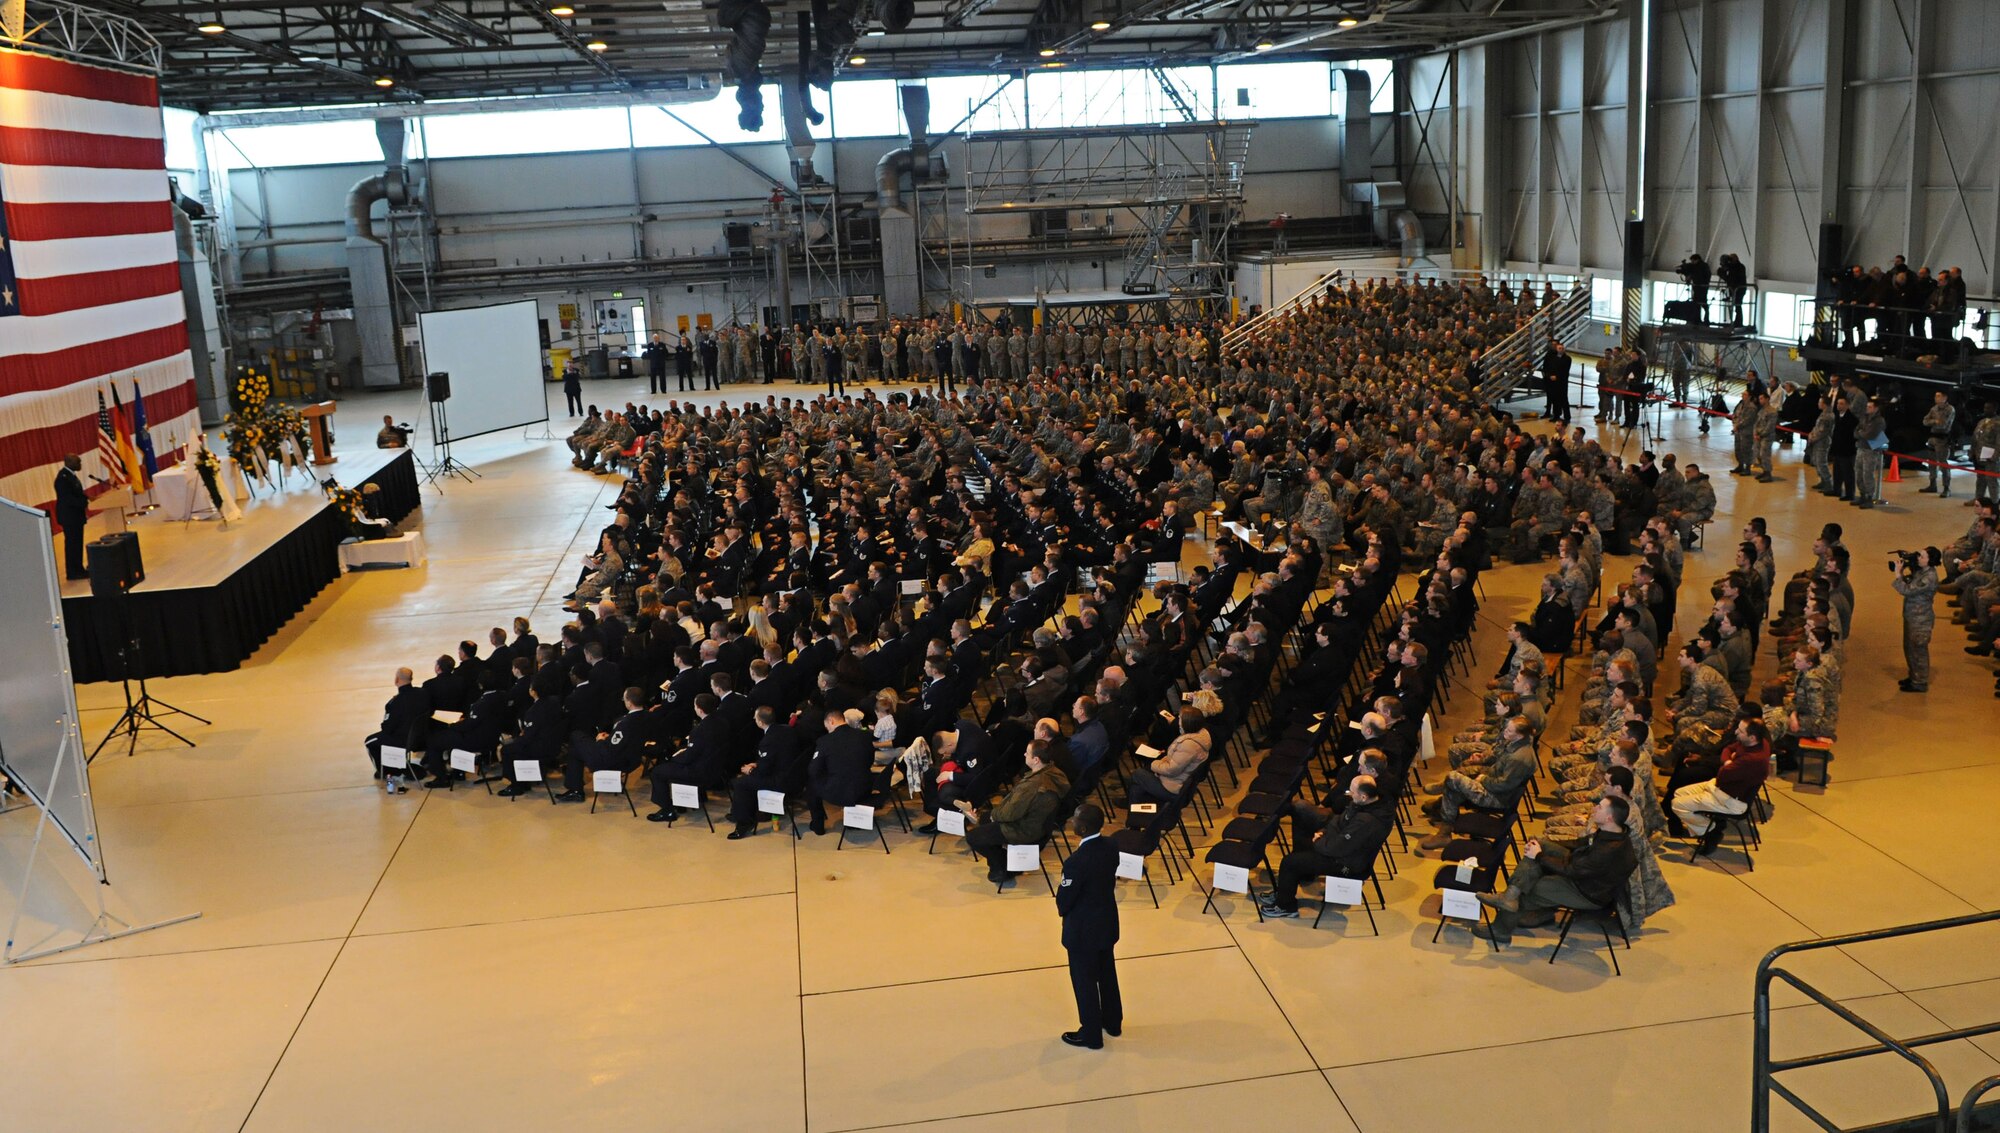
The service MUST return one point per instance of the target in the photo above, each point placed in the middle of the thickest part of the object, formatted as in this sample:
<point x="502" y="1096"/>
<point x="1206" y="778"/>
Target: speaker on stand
<point x="115" y="567"/>
<point x="437" y="391"/>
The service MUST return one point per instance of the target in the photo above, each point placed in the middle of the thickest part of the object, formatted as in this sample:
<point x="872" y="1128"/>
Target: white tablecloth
<point x="178" y="488"/>
<point x="403" y="550"/>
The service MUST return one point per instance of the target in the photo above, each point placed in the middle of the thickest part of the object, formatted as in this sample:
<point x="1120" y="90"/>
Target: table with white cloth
<point x="178" y="489"/>
<point x="403" y="550"/>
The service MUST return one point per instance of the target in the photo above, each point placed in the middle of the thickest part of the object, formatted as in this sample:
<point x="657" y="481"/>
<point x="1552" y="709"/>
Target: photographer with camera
<point x="1695" y="270"/>
<point x="392" y="435"/>
<point x="1916" y="580"/>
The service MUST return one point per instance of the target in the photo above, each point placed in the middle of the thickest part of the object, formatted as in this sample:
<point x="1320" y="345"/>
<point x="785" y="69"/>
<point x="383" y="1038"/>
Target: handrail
<point x="1518" y="351"/>
<point x="1345" y="275"/>
<point x="1765" y="1069"/>
<point x="1966" y="1108"/>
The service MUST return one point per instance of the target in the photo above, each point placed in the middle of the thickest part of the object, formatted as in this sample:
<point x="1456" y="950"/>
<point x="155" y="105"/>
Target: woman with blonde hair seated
<point x="887" y="751"/>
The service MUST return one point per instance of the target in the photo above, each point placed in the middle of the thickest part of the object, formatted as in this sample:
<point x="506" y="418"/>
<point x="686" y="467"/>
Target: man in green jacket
<point x="1021" y="818"/>
<point x="1581" y="875"/>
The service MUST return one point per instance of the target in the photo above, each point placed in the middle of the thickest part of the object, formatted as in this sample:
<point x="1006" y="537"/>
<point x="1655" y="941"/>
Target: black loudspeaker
<point x="1832" y="237"/>
<point x="897" y="14"/>
<point x="438" y="386"/>
<point x="115" y="565"/>
<point x="1635" y="253"/>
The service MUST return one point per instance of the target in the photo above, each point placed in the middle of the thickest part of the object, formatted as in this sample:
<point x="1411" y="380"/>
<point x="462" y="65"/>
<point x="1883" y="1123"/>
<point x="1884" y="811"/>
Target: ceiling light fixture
<point x="1265" y="44"/>
<point x="598" y="46"/>
<point x="211" y="27"/>
<point x="1053" y="63"/>
<point x="1047" y="52"/>
<point x="1348" y="22"/>
<point x="857" y="60"/>
<point x="1100" y="25"/>
<point x="385" y="82"/>
<point x="561" y="11"/>
<point x="873" y="32"/>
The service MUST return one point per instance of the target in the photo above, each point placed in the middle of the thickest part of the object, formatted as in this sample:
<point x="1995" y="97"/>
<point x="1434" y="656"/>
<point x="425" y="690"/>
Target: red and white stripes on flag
<point x="87" y="252"/>
<point x="107" y="444"/>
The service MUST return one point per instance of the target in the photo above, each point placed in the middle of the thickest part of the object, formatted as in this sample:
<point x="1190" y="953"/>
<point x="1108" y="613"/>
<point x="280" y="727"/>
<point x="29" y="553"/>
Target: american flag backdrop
<point x="89" y="281"/>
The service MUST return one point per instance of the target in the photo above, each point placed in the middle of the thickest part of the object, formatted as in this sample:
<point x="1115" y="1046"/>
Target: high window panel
<point x="869" y="108"/>
<point x="179" y="129"/>
<point x="1778" y="316"/>
<point x="302" y="143"/>
<point x="953" y="97"/>
<point x="1275" y="90"/>
<point x="526" y="131"/>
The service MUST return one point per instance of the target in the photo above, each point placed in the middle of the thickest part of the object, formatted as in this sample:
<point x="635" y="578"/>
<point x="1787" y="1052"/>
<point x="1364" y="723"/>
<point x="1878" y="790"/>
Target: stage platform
<point x="212" y="595"/>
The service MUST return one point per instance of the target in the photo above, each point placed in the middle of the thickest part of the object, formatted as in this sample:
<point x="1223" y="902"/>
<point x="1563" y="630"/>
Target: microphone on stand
<point x="98" y="478"/>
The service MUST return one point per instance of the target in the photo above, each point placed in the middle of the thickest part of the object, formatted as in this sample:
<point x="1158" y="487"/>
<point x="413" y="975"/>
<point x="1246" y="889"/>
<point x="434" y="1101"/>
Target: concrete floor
<point x="462" y="961"/>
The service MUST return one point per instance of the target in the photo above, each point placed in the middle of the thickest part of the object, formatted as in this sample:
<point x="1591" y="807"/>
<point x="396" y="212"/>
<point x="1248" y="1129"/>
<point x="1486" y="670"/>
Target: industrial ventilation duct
<point x="368" y="260"/>
<point x="902" y="290"/>
<point x="1389" y="216"/>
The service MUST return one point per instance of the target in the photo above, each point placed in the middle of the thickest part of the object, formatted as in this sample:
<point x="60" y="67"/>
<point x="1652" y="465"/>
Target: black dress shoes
<point x="514" y="790"/>
<point x="1075" y="1038"/>
<point x="570" y="797"/>
<point x="660" y="816"/>
<point x="741" y="833"/>
<point x="1114" y="1030"/>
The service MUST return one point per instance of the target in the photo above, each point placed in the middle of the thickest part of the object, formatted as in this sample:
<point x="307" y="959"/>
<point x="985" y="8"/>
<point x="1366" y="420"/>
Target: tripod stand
<point x="143" y="712"/>
<point x="442" y="464"/>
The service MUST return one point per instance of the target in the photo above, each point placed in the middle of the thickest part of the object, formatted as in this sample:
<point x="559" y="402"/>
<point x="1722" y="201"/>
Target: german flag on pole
<point x="121" y="423"/>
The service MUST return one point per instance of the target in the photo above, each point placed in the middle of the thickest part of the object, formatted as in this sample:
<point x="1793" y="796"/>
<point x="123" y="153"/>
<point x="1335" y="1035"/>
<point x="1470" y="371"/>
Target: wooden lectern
<point x="319" y="413"/>
<point x="107" y="513"/>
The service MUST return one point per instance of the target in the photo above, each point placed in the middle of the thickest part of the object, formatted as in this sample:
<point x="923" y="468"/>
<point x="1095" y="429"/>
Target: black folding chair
<point x="1607" y="913"/>
<point x="1365" y="907"/>
<point x="1153" y="837"/>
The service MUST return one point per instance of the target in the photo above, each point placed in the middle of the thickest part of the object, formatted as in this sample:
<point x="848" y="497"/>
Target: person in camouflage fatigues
<point x="1919" y="590"/>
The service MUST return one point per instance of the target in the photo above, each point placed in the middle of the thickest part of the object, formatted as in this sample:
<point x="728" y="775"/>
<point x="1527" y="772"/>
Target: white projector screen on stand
<point x="494" y="357"/>
<point x="40" y="745"/>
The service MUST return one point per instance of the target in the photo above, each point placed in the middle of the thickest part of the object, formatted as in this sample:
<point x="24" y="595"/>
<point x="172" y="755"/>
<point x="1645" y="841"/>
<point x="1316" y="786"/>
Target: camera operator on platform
<point x="1695" y="270"/>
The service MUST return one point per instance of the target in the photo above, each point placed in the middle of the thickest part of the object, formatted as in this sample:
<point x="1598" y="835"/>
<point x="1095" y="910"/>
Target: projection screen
<point x="40" y="747"/>
<point x="494" y="357"/>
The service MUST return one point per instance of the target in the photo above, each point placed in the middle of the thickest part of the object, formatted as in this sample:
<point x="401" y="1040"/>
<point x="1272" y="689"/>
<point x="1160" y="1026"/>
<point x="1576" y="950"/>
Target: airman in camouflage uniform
<point x="1986" y="455"/>
<point x="1317" y="516"/>
<point x="1743" y="427"/>
<point x="1765" y="436"/>
<point x="1937" y="424"/>
<point x="1868" y="425"/>
<point x="1819" y="446"/>
<point x="1919" y="590"/>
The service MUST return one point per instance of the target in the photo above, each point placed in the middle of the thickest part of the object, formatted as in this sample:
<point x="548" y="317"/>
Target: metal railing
<point x="1765" y="1069"/>
<point x="1508" y="363"/>
<point x="1342" y="276"/>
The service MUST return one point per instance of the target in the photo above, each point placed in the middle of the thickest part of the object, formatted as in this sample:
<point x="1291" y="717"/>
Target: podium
<point x="107" y="513"/>
<point x="320" y="414"/>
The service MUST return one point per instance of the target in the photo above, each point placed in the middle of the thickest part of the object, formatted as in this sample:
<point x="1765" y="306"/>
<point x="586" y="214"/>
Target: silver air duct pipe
<point x="902" y="284"/>
<point x="368" y="261"/>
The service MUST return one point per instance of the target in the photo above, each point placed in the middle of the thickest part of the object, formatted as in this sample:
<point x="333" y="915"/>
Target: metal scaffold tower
<point x="819" y="245"/>
<point x="1176" y="187"/>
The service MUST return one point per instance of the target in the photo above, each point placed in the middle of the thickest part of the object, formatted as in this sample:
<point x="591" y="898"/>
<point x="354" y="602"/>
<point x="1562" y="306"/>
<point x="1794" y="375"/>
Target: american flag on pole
<point x="89" y="276"/>
<point x="107" y="444"/>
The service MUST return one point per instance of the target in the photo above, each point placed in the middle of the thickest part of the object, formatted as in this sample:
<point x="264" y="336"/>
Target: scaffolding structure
<point x="1176" y="187"/>
<point x="1706" y="361"/>
<point x="820" y="245"/>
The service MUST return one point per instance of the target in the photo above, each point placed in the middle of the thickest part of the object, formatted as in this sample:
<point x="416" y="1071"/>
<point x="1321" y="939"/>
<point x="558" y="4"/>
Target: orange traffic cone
<point x="1895" y="475"/>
